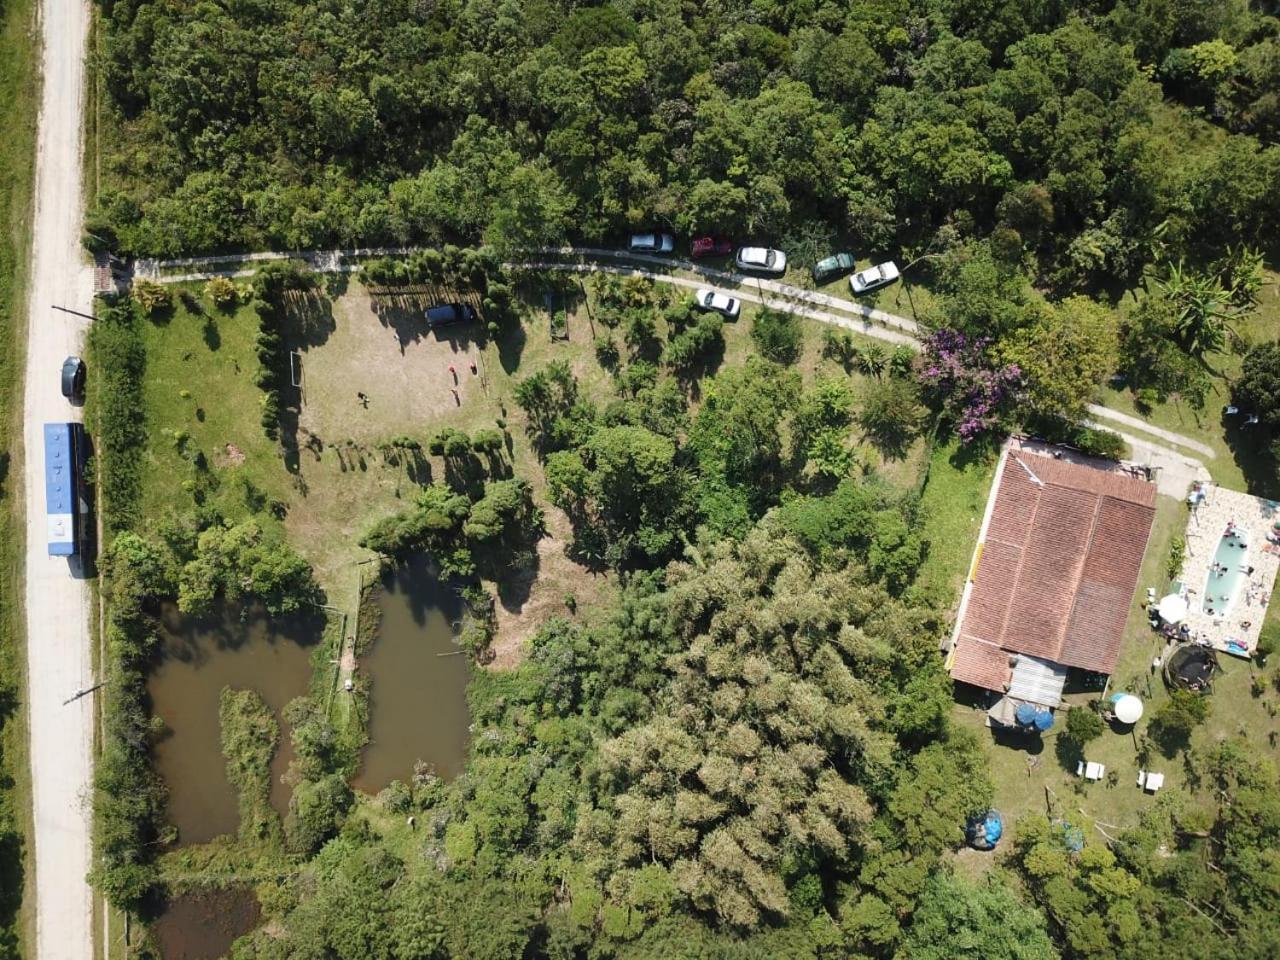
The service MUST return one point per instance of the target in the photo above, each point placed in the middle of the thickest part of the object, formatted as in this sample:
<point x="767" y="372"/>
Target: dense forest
<point x="1092" y="137"/>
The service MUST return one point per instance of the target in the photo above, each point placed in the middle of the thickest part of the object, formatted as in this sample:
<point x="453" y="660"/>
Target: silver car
<point x="717" y="302"/>
<point x="873" y="278"/>
<point x="651" y="243"/>
<point x="762" y="260"/>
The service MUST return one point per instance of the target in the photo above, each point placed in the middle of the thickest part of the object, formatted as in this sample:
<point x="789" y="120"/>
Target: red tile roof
<point x="1058" y="570"/>
<point x="981" y="664"/>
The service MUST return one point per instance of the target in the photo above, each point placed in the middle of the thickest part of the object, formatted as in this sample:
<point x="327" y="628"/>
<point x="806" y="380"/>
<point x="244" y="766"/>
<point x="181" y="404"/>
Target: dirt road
<point x="57" y="601"/>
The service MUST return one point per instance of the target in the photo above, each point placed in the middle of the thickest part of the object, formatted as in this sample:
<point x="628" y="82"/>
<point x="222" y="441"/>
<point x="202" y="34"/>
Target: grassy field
<point x="369" y="373"/>
<point x="953" y="501"/>
<point x="19" y="91"/>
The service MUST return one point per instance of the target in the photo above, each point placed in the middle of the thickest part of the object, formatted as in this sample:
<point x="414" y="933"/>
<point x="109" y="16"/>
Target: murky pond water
<point x="199" y="659"/>
<point x="203" y="925"/>
<point x="418" y="680"/>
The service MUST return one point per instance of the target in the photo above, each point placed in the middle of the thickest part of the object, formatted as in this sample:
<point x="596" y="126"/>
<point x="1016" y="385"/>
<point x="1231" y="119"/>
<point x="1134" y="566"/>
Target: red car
<point x="712" y="247"/>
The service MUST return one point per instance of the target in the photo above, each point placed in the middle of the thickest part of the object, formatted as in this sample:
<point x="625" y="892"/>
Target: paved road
<point x="57" y="603"/>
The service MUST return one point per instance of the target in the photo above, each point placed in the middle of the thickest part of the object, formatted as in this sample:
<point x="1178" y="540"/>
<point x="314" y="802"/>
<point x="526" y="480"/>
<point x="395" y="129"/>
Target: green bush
<point x="221" y="292"/>
<point x="152" y="297"/>
<point x="777" y="335"/>
<point x="1177" y="557"/>
<point x="1177" y="718"/>
<point x="1083" y="725"/>
<point x="118" y="357"/>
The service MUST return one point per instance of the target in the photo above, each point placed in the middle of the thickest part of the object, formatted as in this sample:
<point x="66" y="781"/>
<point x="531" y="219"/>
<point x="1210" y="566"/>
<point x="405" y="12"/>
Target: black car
<point x="443" y="314"/>
<point x="72" y="378"/>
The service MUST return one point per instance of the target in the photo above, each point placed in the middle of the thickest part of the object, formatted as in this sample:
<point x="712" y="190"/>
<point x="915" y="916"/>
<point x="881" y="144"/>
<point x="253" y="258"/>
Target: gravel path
<point x="1175" y="466"/>
<point x="1136" y="424"/>
<point x="58" y="604"/>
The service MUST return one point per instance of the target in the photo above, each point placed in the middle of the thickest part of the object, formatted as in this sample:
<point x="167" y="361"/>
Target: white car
<point x="873" y="278"/>
<point x="718" y="302"/>
<point x="762" y="260"/>
<point x="651" y="243"/>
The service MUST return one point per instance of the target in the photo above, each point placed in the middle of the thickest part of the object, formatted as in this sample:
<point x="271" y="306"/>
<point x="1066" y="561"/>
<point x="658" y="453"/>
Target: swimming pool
<point x="1228" y="572"/>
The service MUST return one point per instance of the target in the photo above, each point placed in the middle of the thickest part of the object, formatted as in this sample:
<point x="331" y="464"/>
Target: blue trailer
<point x="64" y="507"/>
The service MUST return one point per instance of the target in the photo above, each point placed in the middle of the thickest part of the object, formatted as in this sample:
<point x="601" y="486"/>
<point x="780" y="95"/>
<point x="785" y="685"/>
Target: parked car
<point x="762" y="260"/>
<point x="443" y="314"/>
<point x="651" y="243"/>
<point x="72" y="378"/>
<point x="718" y="302"/>
<point x="828" y="268"/>
<point x="711" y="247"/>
<point x="873" y="278"/>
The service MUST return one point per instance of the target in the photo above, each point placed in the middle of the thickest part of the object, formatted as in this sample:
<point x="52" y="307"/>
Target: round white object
<point x="1128" y="709"/>
<point x="1172" y="609"/>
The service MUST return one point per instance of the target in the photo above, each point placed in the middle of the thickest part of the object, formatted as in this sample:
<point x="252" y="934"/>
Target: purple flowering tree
<point x="959" y="376"/>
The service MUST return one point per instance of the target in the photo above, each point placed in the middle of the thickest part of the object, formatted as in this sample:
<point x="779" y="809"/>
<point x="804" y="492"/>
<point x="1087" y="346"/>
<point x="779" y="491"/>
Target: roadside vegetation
<point x="19" y="89"/>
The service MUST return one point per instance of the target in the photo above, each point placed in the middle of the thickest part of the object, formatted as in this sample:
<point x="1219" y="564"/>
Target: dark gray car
<point x="828" y="268"/>
<point x="72" y="378"/>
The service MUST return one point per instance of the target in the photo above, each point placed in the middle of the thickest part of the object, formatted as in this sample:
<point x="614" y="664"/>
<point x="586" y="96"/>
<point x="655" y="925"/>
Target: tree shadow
<point x="209" y="331"/>
<point x="511" y="342"/>
<point x="515" y="587"/>
<point x="981" y="451"/>
<point x="1254" y="450"/>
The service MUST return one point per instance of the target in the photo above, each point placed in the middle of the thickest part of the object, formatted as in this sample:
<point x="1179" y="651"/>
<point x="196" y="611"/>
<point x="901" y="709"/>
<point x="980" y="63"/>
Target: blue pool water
<point x="1230" y="561"/>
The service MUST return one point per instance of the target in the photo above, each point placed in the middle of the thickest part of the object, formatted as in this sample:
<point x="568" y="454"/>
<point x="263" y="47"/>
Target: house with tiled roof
<point x="1054" y="574"/>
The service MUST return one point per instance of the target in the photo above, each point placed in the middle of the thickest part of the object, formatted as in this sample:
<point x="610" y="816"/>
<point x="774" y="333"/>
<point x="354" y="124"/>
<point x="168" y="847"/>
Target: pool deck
<point x="1254" y="518"/>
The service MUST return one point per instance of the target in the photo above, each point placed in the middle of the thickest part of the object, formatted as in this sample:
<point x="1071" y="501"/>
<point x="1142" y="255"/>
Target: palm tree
<point x="872" y="360"/>
<point x="1202" y="309"/>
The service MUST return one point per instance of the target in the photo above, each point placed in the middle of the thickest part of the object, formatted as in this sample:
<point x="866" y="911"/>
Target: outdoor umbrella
<point x="1126" y="707"/>
<point x="1025" y="714"/>
<point x="1172" y="609"/>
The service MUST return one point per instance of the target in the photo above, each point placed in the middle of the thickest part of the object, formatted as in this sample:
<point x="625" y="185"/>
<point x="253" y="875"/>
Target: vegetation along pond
<point x="203" y="925"/>
<point x="199" y="658"/>
<point x="418" y="680"/>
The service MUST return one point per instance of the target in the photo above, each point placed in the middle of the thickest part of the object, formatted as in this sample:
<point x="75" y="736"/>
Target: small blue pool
<point x="1228" y="571"/>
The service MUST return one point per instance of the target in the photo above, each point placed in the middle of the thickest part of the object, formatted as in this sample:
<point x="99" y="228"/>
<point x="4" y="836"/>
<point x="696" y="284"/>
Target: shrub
<point x="698" y="342"/>
<point x="777" y="335"/>
<point x="1083" y="725"/>
<point x="221" y="292"/>
<point x="1177" y="556"/>
<point x="152" y="297"/>
<point x="1100" y="443"/>
<point x="607" y="352"/>
<point x="1177" y="718"/>
<point x="117" y="353"/>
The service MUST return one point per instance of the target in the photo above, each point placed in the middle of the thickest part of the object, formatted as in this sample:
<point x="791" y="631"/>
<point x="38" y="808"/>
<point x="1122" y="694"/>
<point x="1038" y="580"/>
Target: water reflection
<point x="203" y="925"/>
<point x="418" y="678"/>
<point x="199" y="658"/>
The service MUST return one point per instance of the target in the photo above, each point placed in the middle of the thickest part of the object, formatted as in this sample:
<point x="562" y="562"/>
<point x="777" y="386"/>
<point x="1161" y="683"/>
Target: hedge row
<point x="128" y="800"/>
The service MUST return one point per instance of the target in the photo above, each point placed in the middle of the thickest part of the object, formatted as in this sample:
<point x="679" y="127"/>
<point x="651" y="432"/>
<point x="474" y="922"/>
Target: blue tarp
<point x="984" y="832"/>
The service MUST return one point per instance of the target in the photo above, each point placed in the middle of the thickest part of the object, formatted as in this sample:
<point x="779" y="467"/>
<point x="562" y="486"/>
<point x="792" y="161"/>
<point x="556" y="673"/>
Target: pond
<point x="418" y="680"/>
<point x="199" y="658"/>
<point x="203" y="925"/>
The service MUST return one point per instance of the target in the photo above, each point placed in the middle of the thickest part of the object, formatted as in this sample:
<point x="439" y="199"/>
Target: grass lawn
<point x="19" y="90"/>
<point x="1241" y="462"/>
<point x="953" y="501"/>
